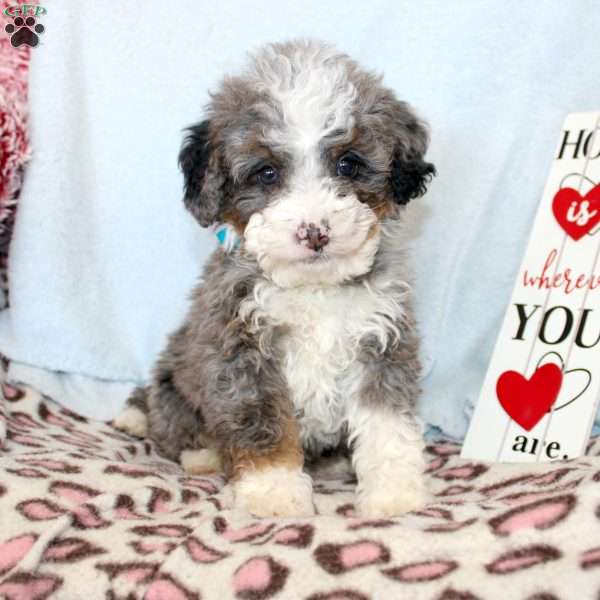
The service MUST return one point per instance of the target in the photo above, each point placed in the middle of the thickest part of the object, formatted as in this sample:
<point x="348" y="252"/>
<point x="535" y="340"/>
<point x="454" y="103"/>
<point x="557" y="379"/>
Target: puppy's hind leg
<point x="178" y="429"/>
<point x="173" y="423"/>
<point x="133" y="419"/>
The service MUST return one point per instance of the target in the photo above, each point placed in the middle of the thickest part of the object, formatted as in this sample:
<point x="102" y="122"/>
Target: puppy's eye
<point x="268" y="175"/>
<point x="347" y="166"/>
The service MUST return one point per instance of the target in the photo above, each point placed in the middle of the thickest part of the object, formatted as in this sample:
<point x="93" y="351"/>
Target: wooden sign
<point x="540" y="393"/>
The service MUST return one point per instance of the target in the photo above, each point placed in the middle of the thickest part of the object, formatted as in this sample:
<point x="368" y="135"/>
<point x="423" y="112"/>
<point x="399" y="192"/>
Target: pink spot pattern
<point x="339" y="558"/>
<point x="70" y="549"/>
<point x="13" y="550"/>
<point x="523" y="558"/>
<point x="590" y="558"/>
<point x="166" y="588"/>
<point x="242" y="534"/>
<point x="540" y="514"/>
<point x="423" y="571"/>
<point x="29" y="586"/>
<point x="40" y="510"/>
<point x="202" y="553"/>
<point x="260" y="577"/>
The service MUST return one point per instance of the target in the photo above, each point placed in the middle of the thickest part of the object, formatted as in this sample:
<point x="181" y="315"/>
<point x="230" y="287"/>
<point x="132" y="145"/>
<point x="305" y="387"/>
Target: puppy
<point x="300" y="339"/>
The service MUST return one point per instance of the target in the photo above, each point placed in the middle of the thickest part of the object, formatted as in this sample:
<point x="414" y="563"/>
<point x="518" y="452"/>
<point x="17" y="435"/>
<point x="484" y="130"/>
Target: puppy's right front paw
<point x="275" y="492"/>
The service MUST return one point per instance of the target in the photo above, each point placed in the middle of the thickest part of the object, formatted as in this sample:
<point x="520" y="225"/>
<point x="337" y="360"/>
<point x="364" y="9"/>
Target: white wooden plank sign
<point x="540" y="393"/>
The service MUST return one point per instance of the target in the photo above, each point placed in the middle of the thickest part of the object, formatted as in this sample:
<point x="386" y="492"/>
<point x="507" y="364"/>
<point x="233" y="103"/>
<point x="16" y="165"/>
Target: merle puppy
<point x="300" y="338"/>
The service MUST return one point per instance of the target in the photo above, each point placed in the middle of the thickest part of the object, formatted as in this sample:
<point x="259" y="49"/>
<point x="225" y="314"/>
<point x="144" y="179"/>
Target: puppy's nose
<point x="312" y="237"/>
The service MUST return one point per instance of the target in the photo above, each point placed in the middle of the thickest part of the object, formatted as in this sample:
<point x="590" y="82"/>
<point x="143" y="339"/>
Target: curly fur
<point x="278" y="330"/>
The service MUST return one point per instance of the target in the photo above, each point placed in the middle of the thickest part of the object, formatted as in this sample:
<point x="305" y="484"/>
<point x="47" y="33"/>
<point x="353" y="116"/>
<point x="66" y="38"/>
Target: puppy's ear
<point x="204" y="178"/>
<point x="410" y="174"/>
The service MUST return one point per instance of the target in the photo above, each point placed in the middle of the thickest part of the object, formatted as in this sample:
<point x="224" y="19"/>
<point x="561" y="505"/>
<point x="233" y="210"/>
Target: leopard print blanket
<point x="87" y="512"/>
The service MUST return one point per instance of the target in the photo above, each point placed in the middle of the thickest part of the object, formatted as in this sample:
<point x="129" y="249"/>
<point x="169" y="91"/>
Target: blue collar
<point x="227" y="237"/>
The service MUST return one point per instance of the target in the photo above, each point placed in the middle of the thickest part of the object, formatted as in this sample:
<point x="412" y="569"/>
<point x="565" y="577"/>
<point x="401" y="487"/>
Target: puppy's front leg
<point x="388" y="460"/>
<point x="386" y="439"/>
<point x="272" y="483"/>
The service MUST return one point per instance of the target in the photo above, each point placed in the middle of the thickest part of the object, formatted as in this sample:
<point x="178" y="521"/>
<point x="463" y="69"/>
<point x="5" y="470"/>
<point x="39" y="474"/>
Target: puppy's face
<point x="306" y="155"/>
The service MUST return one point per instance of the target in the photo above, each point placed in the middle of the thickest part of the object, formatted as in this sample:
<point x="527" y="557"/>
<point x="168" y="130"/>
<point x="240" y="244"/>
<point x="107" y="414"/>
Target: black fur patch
<point x="203" y="181"/>
<point x="193" y="159"/>
<point x="410" y="177"/>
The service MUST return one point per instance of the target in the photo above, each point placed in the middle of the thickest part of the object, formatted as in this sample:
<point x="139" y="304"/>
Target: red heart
<point x="526" y="401"/>
<point x="567" y="204"/>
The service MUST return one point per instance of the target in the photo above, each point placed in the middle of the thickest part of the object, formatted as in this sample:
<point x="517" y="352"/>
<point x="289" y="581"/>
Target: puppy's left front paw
<point x="277" y="492"/>
<point x="391" y="500"/>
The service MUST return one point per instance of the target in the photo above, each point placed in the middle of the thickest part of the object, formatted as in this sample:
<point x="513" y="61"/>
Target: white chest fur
<point x="318" y="352"/>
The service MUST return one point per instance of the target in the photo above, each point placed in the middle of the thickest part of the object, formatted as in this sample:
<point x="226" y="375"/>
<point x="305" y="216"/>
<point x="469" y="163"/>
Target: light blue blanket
<point x="104" y="254"/>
